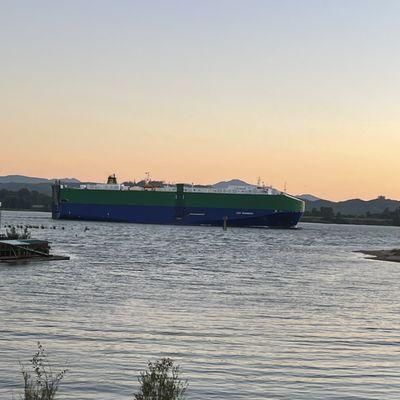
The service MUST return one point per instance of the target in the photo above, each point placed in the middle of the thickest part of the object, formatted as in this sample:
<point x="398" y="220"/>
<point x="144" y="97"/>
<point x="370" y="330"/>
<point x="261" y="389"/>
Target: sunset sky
<point x="303" y="92"/>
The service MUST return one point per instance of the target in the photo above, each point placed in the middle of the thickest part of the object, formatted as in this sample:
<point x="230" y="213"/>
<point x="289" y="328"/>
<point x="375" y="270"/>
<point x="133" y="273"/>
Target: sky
<point x="302" y="92"/>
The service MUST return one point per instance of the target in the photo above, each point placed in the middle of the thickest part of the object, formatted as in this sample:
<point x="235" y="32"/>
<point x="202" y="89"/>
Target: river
<point x="247" y="313"/>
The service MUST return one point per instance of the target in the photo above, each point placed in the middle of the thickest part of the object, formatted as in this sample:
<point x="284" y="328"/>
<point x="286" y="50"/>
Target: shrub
<point x="40" y="383"/>
<point x="161" y="382"/>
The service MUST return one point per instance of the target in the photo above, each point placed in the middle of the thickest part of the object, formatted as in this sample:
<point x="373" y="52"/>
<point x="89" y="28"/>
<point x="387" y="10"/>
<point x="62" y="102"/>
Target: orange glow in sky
<point x="300" y="92"/>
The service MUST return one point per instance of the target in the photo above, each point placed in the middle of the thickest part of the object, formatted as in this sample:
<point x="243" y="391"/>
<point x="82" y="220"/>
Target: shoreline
<point x="349" y="221"/>
<point x="382" y="255"/>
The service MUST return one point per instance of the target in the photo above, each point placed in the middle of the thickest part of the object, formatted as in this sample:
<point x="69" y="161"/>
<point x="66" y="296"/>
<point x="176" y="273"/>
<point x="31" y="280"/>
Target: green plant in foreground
<point x="161" y="382"/>
<point x="40" y="383"/>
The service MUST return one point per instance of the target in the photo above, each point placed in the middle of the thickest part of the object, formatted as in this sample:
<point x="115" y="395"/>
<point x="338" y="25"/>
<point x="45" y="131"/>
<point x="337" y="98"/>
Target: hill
<point x="356" y="207"/>
<point x="22" y="179"/>
<point x="33" y="180"/>
<point x="42" y="185"/>
<point x="308" y="197"/>
<point x="232" y="182"/>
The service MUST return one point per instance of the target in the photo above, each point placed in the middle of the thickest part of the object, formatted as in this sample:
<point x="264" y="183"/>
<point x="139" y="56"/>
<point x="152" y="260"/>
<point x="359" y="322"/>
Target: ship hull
<point x="191" y="209"/>
<point x="167" y="215"/>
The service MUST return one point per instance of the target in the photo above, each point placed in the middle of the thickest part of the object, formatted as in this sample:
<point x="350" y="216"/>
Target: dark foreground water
<point x="247" y="313"/>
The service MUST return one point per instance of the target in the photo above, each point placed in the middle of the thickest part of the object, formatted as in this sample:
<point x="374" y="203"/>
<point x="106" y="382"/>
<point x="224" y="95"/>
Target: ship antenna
<point x="285" y="189"/>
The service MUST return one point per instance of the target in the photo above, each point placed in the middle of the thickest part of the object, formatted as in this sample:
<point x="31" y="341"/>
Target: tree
<point x="161" y="382"/>
<point x="396" y="216"/>
<point x="327" y="213"/>
<point x="24" y="199"/>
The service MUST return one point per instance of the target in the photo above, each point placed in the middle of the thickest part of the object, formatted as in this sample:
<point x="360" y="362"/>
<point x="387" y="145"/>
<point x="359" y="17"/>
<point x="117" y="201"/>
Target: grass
<point x="40" y="382"/>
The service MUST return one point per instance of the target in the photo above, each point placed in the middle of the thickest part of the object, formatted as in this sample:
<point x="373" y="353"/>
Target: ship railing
<point x="188" y="189"/>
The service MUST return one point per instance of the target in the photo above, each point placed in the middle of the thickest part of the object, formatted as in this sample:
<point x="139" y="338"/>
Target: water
<point x="247" y="313"/>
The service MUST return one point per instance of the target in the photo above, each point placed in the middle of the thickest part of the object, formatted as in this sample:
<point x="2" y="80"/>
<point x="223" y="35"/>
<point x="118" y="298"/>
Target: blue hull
<point x="176" y="215"/>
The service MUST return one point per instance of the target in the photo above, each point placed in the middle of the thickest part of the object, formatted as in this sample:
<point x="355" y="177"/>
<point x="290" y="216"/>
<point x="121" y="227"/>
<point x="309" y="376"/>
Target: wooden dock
<point x="26" y="250"/>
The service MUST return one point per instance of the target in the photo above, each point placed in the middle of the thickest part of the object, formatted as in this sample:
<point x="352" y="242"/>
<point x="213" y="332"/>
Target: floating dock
<point x="26" y="250"/>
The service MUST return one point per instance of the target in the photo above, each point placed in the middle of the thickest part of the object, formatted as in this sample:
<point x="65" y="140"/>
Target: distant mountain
<point x="42" y="185"/>
<point x="308" y="197"/>
<point x="21" y="179"/>
<point x="232" y="182"/>
<point x="66" y="180"/>
<point x="356" y="206"/>
<point x="33" y="180"/>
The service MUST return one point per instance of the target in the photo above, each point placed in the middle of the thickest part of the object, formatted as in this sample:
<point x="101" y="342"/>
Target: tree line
<point x="25" y="199"/>
<point x="392" y="217"/>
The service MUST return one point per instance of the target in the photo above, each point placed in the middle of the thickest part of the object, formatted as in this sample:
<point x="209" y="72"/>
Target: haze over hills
<point x="21" y="179"/>
<point x="308" y="197"/>
<point x="33" y="180"/>
<point x="232" y="182"/>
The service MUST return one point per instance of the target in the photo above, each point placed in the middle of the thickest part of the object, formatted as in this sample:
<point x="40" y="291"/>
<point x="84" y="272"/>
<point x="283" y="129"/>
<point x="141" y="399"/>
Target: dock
<point x="26" y="250"/>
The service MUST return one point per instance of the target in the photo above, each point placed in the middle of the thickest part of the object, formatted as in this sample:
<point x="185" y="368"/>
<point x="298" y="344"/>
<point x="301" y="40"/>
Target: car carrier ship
<point x="178" y="204"/>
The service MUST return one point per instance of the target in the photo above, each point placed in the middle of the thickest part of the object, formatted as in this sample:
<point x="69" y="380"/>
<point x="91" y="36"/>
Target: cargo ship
<point x="180" y="204"/>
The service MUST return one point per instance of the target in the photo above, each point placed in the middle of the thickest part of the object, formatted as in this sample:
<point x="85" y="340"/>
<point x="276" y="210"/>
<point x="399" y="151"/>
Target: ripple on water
<point x="247" y="313"/>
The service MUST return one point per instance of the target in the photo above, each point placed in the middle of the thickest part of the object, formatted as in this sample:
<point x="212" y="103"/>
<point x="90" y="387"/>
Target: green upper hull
<point x="280" y="202"/>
